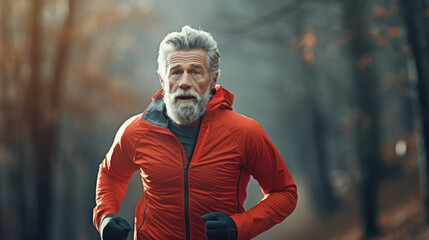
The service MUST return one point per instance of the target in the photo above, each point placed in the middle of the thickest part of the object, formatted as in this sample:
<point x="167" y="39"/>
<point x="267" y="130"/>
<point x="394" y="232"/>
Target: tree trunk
<point x="314" y="129"/>
<point x="44" y="118"/>
<point x="13" y="209"/>
<point x="417" y="25"/>
<point x="368" y="138"/>
<point x="3" y="106"/>
<point x="33" y="110"/>
<point x="322" y="190"/>
<point x="43" y="187"/>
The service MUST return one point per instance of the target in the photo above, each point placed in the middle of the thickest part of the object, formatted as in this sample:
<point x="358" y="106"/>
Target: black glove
<point x="114" y="227"/>
<point x="220" y="226"/>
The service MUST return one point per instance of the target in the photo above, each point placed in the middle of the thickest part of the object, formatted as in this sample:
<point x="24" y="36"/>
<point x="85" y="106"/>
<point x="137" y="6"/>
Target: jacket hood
<point x="221" y="99"/>
<point x="156" y="114"/>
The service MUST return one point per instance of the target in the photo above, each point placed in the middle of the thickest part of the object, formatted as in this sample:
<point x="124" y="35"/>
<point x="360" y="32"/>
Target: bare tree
<point x="43" y="61"/>
<point x="368" y="133"/>
<point x="416" y="14"/>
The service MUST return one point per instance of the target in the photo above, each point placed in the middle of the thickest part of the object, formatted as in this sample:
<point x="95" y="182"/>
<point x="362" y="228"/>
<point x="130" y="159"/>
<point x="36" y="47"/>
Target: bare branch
<point x="276" y="15"/>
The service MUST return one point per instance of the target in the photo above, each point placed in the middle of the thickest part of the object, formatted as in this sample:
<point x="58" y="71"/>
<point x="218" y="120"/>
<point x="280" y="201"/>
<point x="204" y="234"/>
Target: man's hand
<point x="114" y="227"/>
<point x="220" y="226"/>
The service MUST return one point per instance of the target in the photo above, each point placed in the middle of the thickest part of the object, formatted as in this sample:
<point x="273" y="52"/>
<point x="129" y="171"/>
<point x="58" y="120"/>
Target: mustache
<point x="182" y="92"/>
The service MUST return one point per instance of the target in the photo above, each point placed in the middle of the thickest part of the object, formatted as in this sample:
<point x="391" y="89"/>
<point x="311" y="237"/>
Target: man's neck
<point x="192" y="124"/>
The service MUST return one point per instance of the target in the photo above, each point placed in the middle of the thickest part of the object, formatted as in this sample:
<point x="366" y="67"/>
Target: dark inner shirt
<point x="187" y="137"/>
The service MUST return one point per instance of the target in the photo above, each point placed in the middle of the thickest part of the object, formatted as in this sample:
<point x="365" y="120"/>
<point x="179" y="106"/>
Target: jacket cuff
<point x="97" y="221"/>
<point x="243" y="227"/>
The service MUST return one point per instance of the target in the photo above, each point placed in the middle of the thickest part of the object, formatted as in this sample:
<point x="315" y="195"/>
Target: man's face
<point x="187" y="70"/>
<point x="187" y="87"/>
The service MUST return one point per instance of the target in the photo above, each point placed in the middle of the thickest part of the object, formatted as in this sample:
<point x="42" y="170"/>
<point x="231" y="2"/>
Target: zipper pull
<point x="185" y="168"/>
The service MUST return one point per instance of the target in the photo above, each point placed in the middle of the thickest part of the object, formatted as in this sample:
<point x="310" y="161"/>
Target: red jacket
<point x="230" y="148"/>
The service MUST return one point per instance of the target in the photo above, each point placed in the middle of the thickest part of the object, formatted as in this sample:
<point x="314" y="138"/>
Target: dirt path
<point x="400" y="216"/>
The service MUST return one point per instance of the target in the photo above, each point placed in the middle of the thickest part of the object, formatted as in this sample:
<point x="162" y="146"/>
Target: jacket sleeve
<point x="114" y="174"/>
<point x="267" y="166"/>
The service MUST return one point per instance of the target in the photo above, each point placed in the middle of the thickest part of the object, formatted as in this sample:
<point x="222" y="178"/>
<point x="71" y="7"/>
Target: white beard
<point x="185" y="113"/>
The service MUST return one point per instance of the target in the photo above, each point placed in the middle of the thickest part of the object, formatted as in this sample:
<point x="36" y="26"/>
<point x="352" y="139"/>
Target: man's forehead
<point x="195" y="56"/>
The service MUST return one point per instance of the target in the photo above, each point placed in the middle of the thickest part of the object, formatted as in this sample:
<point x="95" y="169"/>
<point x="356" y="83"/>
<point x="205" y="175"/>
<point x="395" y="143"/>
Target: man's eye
<point x="195" y="72"/>
<point x="175" y="73"/>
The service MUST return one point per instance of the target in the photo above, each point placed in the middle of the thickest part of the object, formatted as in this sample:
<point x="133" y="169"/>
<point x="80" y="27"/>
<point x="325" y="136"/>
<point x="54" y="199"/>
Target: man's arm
<point x="114" y="174"/>
<point x="266" y="165"/>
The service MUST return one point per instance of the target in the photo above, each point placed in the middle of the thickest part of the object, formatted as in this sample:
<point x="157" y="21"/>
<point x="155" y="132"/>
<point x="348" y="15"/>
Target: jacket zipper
<point x="185" y="173"/>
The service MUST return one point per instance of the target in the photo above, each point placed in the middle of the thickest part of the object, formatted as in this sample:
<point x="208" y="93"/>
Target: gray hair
<point x="189" y="39"/>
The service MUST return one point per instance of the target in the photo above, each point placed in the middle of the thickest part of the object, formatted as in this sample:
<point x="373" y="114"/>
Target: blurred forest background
<point x="340" y="87"/>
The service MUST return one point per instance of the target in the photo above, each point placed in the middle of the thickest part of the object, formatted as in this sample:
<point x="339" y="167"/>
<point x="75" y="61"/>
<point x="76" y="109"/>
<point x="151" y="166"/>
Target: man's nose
<point x="185" y="82"/>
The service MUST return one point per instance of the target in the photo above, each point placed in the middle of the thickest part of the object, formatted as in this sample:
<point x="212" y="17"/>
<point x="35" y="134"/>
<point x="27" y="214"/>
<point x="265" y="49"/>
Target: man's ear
<point x="161" y="80"/>
<point x="214" y="81"/>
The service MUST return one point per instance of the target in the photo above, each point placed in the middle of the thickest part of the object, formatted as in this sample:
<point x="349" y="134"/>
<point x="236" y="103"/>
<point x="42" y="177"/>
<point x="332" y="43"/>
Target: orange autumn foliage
<point x="364" y="61"/>
<point x="394" y="31"/>
<point x="380" y="12"/>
